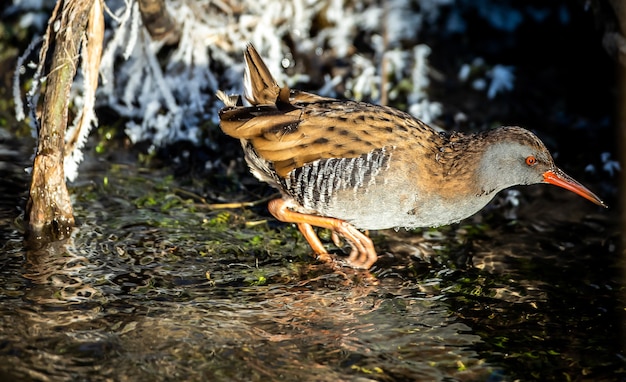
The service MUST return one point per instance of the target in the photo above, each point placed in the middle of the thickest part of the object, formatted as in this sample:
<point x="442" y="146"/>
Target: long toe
<point x="336" y="239"/>
<point x="363" y="254"/>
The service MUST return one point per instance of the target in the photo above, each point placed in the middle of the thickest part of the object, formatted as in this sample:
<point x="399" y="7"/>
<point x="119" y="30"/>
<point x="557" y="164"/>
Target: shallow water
<point x="155" y="285"/>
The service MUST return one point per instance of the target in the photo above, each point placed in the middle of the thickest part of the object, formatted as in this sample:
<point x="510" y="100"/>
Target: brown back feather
<point x="292" y="128"/>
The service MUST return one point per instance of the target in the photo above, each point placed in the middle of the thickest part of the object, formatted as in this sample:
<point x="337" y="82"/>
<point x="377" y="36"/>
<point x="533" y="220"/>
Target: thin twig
<point x="224" y="206"/>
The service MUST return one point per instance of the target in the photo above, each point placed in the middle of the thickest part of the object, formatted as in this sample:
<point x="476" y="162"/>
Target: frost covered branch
<point x="166" y="103"/>
<point x="165" y="95"/>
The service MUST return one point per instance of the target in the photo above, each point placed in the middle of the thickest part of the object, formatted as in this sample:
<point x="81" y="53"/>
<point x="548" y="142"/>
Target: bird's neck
<point x="472" y="162"/>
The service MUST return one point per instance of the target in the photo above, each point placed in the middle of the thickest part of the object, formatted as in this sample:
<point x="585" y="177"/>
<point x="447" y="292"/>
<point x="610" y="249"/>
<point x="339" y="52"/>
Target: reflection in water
<point x="141" y="293"/>
<point x="56" y="272"/>
<point x="136" y="304"/>
<point x="51" y="322"/>
<point x="316" y="336"/>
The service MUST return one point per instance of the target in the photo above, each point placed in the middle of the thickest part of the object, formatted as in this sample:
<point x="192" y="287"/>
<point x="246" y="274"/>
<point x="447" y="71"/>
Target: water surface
<point x="155" y="285"/>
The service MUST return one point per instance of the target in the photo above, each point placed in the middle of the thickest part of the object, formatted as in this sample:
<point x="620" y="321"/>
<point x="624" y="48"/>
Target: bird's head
<point x="515" y="156"/>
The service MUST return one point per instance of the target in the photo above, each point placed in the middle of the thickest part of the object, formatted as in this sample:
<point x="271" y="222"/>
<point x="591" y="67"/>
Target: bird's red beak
<point x="561" y="179"/>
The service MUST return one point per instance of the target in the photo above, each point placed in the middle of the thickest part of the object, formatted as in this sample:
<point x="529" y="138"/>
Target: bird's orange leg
<point x="307" y="231"/>
<point x="363" y="254"/>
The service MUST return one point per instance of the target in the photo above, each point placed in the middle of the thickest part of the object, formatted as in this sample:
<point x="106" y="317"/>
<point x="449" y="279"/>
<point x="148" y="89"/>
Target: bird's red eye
<point x="531" y="160"/>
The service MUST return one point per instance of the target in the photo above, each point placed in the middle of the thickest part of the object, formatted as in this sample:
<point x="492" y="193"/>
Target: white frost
<point x="502" y="79"/>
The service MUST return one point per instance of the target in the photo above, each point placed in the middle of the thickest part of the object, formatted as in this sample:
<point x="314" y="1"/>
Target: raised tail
<point x="270" y="102"/>
<point x="260" y="88"/>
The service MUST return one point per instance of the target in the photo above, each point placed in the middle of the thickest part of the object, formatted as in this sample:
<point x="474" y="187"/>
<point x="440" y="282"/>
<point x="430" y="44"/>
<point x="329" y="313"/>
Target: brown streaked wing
<point x="325" y="131"/>
<point x="251" y="122"/>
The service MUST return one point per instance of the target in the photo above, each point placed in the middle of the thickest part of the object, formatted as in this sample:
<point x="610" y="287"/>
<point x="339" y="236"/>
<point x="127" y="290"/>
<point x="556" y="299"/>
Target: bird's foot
<point x="363" y="254"/>
<point x="336" y="239"/>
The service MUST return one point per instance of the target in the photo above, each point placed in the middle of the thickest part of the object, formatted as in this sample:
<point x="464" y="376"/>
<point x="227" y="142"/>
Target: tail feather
<point x="260" y="88"/>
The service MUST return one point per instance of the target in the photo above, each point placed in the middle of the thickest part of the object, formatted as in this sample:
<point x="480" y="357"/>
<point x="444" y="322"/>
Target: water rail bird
<point x="349" y="166"/>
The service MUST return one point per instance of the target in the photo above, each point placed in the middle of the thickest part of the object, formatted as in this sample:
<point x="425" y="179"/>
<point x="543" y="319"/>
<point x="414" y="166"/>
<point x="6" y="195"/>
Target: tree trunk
<point x="49" y="209"/>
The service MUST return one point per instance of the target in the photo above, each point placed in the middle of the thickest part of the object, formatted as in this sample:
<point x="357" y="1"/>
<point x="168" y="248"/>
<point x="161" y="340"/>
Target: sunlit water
<point x="163" y="289"/>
